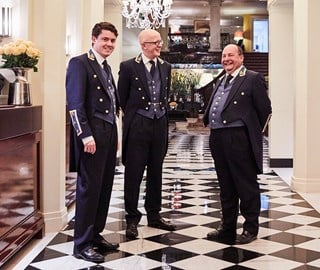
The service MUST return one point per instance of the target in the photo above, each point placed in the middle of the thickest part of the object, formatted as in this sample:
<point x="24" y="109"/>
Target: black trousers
<point x="237" y="175"/>
<point x="146" y="148"/>
<point x="94" y="185"/>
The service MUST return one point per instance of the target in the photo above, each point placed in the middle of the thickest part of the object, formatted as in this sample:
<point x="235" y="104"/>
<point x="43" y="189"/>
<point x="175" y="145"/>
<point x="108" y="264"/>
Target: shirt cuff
<point x="87" y="139"/>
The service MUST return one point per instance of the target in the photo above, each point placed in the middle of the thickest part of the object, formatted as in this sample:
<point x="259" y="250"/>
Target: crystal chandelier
<point x="145" y="13"/>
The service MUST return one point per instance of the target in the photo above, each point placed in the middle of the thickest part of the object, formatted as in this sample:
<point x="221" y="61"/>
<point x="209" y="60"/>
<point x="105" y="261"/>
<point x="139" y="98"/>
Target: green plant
<point x="183" y="81"/>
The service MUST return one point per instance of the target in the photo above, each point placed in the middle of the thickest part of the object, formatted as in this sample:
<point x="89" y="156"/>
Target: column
<point x="47" y="29"/>
<point x="215" y="40"/>
<point x="281" y="84"/>
<point x="82" y="15"/>
<point x="92" y="13"/>
<point x="306" y="173"/>
<point x="112" y="14"/>
<point x="247" y="32"/>
<point x="164" y="31"/>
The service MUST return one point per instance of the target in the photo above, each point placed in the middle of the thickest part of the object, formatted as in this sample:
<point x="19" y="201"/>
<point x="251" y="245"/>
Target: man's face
<point x="231" y="60"/>
<point x="105" y="43"/>
<point x="152" y="45"/>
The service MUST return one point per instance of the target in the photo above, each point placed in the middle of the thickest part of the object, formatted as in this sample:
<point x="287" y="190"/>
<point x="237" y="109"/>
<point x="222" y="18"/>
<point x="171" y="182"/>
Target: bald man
<point x="237" y="114"/>
<point x="144" y="83"/>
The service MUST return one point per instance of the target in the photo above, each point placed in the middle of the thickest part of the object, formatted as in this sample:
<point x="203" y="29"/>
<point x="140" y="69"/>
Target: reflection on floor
<point x="289" y="236"/>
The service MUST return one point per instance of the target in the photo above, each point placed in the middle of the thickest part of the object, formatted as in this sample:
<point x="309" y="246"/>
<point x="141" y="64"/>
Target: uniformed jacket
<point x="87" y="98"/>
<point x="134" y="92"/>
<point x="87" y="94"/>
<point x="247" y="101"/>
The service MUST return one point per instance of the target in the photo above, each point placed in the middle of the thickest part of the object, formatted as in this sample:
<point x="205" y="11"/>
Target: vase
<point x="19" y="90"/>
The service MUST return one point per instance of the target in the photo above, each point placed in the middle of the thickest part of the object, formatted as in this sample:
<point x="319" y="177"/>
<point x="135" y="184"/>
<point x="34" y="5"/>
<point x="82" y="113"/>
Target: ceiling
<point x="184" y="12"/>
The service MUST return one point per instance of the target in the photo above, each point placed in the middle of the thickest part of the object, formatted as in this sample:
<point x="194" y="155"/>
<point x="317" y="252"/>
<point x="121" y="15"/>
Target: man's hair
<point x="98" y="27"/>
<point x="240" y="50"/>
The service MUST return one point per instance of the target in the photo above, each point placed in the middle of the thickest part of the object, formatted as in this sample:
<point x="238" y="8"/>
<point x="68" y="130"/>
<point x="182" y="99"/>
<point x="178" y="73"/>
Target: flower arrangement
<point x="20" y="53"/>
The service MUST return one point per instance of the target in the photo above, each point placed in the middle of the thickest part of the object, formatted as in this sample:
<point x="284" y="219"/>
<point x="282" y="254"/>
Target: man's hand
<point x="90" y="147"/>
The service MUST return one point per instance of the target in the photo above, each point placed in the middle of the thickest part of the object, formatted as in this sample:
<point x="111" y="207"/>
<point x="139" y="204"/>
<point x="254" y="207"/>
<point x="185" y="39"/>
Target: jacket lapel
<point x="163" y="75"/>
<point x="98" y="70"/>
<point x="141" y="73"/>
<point x="214" y="91"/>
<point x="236" y="86"/>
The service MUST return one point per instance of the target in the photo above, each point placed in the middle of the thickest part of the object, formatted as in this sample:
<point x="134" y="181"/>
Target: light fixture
<point x="5" y="20"/>
<point x="238" y="35"/>
<point x="145" y="13"/>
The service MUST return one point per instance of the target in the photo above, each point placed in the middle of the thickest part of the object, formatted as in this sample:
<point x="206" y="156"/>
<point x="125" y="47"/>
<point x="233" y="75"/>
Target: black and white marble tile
<point x="289" y="236"/>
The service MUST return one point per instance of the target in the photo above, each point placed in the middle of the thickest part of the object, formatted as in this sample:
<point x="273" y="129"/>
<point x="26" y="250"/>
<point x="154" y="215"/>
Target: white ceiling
<point x="184" y="12"/>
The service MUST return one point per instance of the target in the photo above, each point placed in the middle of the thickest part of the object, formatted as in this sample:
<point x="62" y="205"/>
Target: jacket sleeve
<point x="261" y="101"/>
<point x="124" y="85"/>
<point x="76" y="87"/>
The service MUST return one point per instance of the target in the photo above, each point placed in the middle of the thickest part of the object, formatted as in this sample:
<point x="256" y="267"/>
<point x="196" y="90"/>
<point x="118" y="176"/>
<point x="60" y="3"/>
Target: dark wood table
<point x="20" y="178"/>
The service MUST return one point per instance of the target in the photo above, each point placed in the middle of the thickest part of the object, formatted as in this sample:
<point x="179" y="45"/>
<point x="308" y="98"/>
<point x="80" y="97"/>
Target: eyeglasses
<point x="157" y="43"/>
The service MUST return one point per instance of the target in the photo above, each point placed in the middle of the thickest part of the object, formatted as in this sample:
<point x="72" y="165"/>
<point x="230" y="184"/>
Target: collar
<point x="236" y="72"/>
<point x="99" y="58"/>
<point x="146" y="60"/>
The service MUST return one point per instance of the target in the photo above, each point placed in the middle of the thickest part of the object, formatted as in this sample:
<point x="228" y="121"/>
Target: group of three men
<point x="236" y="115"/>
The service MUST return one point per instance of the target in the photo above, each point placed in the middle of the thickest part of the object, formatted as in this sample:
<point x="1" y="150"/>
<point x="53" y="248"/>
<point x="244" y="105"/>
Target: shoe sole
<point x="131" y="236"/>
<point x="96" y="247"/>
<point x="246" y="242"/>
<point x="78" y="256"/>
<point x="223" y="241"/>
<point x="165" y="229"/>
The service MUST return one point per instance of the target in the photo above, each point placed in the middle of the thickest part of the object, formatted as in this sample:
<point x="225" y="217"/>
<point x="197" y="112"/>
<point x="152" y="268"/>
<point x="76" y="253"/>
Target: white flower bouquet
<point x="20" y="54"/>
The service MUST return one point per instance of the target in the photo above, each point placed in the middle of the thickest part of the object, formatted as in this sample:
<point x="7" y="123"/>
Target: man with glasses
<point x="144" y="83"/>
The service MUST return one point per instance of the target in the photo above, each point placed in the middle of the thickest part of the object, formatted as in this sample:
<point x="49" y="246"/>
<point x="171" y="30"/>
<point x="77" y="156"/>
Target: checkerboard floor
<point x="289" y="236"/>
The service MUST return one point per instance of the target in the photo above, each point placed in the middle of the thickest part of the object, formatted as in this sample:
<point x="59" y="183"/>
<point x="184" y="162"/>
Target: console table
<point x="20" y="216"/>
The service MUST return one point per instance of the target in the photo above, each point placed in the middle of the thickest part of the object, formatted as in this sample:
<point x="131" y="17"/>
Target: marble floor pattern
<point x="289" y="236"/>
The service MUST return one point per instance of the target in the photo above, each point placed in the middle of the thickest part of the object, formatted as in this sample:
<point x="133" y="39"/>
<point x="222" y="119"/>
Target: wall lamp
<point x="5" y="20"/>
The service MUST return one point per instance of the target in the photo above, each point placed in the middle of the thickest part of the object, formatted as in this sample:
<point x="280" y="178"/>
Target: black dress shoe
<point x="90" y="255"/>
<point x="162" y="224"/>
<point x="105" y="246"/>
<point x="222" y="236"/>
<point x="132" y="231"/>
<point x="246" y="238"/>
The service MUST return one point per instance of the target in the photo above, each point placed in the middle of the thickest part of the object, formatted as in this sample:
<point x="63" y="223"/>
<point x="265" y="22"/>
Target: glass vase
<point x="19" y="90"/>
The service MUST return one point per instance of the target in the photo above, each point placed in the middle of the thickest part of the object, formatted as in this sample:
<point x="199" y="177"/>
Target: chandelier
<point x="145" y="13"/>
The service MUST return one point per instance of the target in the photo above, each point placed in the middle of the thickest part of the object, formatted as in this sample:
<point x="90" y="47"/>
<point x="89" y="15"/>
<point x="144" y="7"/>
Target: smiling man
<point x="93" y="103"/>
<point x="144" y="83"/>
<point x="237" y="114"/>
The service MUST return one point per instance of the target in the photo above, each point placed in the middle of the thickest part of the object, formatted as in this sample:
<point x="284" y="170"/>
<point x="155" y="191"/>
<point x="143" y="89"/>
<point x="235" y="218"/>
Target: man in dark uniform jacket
<point x="237" y="114"/>
<point x="93" y="104"/>
<point x="143" y="85"/>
